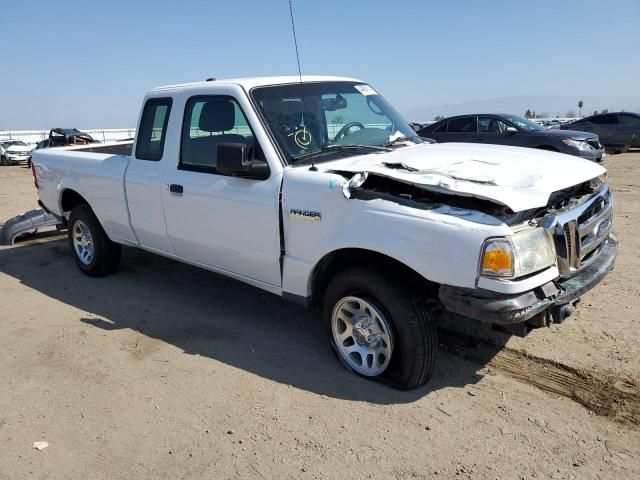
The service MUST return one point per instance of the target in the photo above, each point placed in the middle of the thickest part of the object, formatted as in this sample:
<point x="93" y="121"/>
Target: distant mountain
<point x="541" y="104"/>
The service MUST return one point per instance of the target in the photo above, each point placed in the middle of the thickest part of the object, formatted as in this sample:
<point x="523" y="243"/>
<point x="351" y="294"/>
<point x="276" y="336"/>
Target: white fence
<point x="35" y="136"/>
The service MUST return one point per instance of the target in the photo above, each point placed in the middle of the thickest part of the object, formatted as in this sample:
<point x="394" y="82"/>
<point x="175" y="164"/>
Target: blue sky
<point x="88" y="64"/>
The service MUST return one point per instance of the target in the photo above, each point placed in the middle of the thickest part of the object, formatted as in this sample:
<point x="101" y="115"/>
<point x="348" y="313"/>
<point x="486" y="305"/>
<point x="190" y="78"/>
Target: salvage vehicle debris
<point x="321" y="193"/>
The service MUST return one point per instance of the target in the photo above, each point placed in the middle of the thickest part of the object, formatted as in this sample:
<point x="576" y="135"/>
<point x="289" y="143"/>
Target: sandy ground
<point x="167" y="371"/>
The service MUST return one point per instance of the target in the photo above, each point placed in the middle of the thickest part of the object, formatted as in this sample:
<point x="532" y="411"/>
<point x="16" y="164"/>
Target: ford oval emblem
<point x="602" y="228"/>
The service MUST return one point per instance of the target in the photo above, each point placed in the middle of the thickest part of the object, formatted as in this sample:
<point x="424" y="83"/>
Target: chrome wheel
<point x="362" y="335"/>
<point x="83" y="242"/>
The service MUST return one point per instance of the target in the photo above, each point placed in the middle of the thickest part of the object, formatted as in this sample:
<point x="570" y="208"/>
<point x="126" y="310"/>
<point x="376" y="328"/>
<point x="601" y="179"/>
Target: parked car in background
<point x="617" y="131"/>
<point x="13" y="151"/>
<point x="505" y="129"/>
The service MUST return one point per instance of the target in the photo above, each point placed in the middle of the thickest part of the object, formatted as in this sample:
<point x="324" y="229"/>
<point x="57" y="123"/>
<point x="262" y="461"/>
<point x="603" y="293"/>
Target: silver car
<point x="14" y="151"/>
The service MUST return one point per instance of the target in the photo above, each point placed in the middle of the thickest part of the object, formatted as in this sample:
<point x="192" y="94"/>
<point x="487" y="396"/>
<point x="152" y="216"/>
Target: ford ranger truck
<point x="316" y="189"/>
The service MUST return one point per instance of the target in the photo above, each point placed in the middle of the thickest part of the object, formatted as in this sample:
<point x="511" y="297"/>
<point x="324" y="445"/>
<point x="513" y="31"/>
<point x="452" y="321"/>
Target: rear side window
<point x="462" y="125"/>
<point x="153" y="129"/>
<point x="629" y="120"/>
<point x="605" y="120"/>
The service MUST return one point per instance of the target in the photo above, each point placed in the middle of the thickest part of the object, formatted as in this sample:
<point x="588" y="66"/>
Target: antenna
<point x="304" y="106"/>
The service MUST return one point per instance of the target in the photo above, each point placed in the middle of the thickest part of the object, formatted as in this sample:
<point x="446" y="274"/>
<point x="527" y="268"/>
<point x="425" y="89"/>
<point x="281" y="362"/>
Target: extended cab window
<point x="462" y="125"/>
<point x="153" y="129"/>
<point x="208" y="122"/>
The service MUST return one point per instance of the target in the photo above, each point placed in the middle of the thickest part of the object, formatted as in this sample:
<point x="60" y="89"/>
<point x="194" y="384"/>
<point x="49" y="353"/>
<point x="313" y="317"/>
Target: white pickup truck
<point x="317" y="190"/>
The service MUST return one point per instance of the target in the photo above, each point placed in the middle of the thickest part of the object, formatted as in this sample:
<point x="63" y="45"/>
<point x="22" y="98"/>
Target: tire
<point x="400" y="319"/>
<point x="94" y="253"/>
<point x="3" y="161"/>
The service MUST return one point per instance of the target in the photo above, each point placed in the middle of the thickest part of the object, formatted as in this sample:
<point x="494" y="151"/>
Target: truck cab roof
<point x="251" y="82"/>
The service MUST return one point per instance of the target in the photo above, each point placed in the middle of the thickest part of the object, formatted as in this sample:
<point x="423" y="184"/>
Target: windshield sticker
<point x="365" y="89"/>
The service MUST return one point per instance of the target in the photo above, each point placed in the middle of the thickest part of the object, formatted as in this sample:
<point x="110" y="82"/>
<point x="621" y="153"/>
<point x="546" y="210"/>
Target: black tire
<point x="412" y="321"/>
<point x="3" y="161"/>
<point x="106" y="254"/>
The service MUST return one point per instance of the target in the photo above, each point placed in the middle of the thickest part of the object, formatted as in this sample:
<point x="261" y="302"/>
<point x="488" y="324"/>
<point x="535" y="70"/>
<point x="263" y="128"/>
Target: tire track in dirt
<point x="603" y="393"/>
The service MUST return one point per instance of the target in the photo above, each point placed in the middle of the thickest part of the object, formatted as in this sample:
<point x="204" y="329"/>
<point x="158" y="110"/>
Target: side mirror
<point x="511" y="131"/>
<point x="233" y="160"/>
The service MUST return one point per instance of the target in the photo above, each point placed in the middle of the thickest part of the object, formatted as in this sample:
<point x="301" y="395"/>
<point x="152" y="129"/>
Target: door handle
<point x="174" y="188"/>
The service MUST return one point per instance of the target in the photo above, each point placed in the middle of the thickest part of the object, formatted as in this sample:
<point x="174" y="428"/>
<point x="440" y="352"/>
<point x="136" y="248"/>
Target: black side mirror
<point x="233" y="160"/>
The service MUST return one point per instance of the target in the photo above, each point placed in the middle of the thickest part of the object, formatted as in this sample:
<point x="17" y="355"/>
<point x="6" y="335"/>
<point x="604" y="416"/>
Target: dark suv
<point x="617" y="131"/>
<point x="505" y="129"/>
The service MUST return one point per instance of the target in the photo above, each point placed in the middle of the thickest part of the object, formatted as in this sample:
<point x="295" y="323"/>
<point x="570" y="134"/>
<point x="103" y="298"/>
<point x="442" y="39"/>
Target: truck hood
<point x="520" y="178"/>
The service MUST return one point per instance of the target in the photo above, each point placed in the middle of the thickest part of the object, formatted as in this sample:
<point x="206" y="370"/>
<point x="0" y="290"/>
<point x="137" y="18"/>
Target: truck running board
<point x="27" y="223"/>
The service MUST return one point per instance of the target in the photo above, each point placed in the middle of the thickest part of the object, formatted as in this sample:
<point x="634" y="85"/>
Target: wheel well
<point x="71" y="199"/>
<point x="339" y="260"/>
<point x="547" y="147"/>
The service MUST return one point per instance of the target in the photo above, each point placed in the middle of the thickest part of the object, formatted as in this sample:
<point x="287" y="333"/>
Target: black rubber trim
<point x="502" y="309"/>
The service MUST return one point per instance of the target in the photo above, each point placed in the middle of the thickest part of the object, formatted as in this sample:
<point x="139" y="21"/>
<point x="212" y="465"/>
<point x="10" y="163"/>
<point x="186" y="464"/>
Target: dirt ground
<point x="167" y="371"/>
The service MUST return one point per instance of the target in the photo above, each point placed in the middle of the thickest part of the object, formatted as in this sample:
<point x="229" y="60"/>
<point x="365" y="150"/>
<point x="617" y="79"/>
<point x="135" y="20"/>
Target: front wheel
<point x="3" y="161"/>
<point x="380" y="329"/>
<point x="94" y="253"/>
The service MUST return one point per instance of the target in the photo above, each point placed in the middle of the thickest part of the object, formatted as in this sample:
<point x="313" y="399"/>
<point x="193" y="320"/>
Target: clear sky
<point x="87" y="63"/>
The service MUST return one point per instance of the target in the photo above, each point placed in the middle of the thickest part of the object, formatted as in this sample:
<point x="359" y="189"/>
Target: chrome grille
<point x="581" y="232"/>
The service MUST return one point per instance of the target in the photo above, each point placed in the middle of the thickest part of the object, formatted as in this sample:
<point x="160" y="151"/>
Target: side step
<point x="27" y="223"/>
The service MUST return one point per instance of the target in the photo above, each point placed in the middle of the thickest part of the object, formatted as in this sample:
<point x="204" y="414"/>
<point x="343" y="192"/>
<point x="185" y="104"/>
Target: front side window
<point x="332" y="118"/>
<point x="462" y="125"/>
<point x="208" y="122"/>
<point x="153" y="129"/>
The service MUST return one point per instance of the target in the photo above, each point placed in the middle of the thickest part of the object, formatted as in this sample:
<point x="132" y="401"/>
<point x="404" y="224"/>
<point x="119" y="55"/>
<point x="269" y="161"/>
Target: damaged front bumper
<point x="503" y="309"/>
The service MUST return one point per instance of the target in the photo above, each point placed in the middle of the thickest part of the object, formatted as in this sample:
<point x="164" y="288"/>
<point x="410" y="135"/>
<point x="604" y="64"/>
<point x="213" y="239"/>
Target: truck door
<point x="228" y="223"/>
<point x="143" y="181"/>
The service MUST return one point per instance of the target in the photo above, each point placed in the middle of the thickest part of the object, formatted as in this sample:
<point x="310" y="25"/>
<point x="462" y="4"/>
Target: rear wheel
<point x="379" y="329"/>
<point x="92" y="250"/>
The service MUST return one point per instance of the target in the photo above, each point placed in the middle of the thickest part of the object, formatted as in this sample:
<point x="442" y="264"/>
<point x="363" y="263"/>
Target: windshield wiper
<point x="399" y="140"/>
<point x="337" y="148"/>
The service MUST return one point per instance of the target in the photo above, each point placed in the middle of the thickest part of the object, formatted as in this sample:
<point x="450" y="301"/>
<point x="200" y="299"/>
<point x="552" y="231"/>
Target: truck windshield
<point x="323" y="117"/>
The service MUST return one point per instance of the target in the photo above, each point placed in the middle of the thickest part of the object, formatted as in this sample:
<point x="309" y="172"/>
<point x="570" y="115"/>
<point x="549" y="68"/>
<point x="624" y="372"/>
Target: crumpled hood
<point x="19" y="148"/>
<point x="520" y="178"/>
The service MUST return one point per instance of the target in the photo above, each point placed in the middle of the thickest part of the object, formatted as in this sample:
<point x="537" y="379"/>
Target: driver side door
<point x="227" y="223"/>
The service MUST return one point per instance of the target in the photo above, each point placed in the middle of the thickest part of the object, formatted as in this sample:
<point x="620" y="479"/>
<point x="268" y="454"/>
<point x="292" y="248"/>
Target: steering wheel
<point x="343" y="132"/>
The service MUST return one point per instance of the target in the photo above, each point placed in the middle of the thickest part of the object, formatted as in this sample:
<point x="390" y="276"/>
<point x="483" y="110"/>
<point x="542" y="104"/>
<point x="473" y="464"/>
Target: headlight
<point x="521" y="254"/>
<point x="579" y="144"/>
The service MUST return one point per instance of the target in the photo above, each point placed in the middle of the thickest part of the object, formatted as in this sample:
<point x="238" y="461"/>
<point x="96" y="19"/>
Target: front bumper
<point x="502" y="309"/>
<point x="16" y="158"/>
<point x="593" y="155"/>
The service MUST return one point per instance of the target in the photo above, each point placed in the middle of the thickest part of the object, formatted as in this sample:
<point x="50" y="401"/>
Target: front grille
<point x="580" y="233"/>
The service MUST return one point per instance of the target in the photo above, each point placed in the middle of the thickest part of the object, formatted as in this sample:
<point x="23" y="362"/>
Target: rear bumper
<point x="501" y="309"/>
